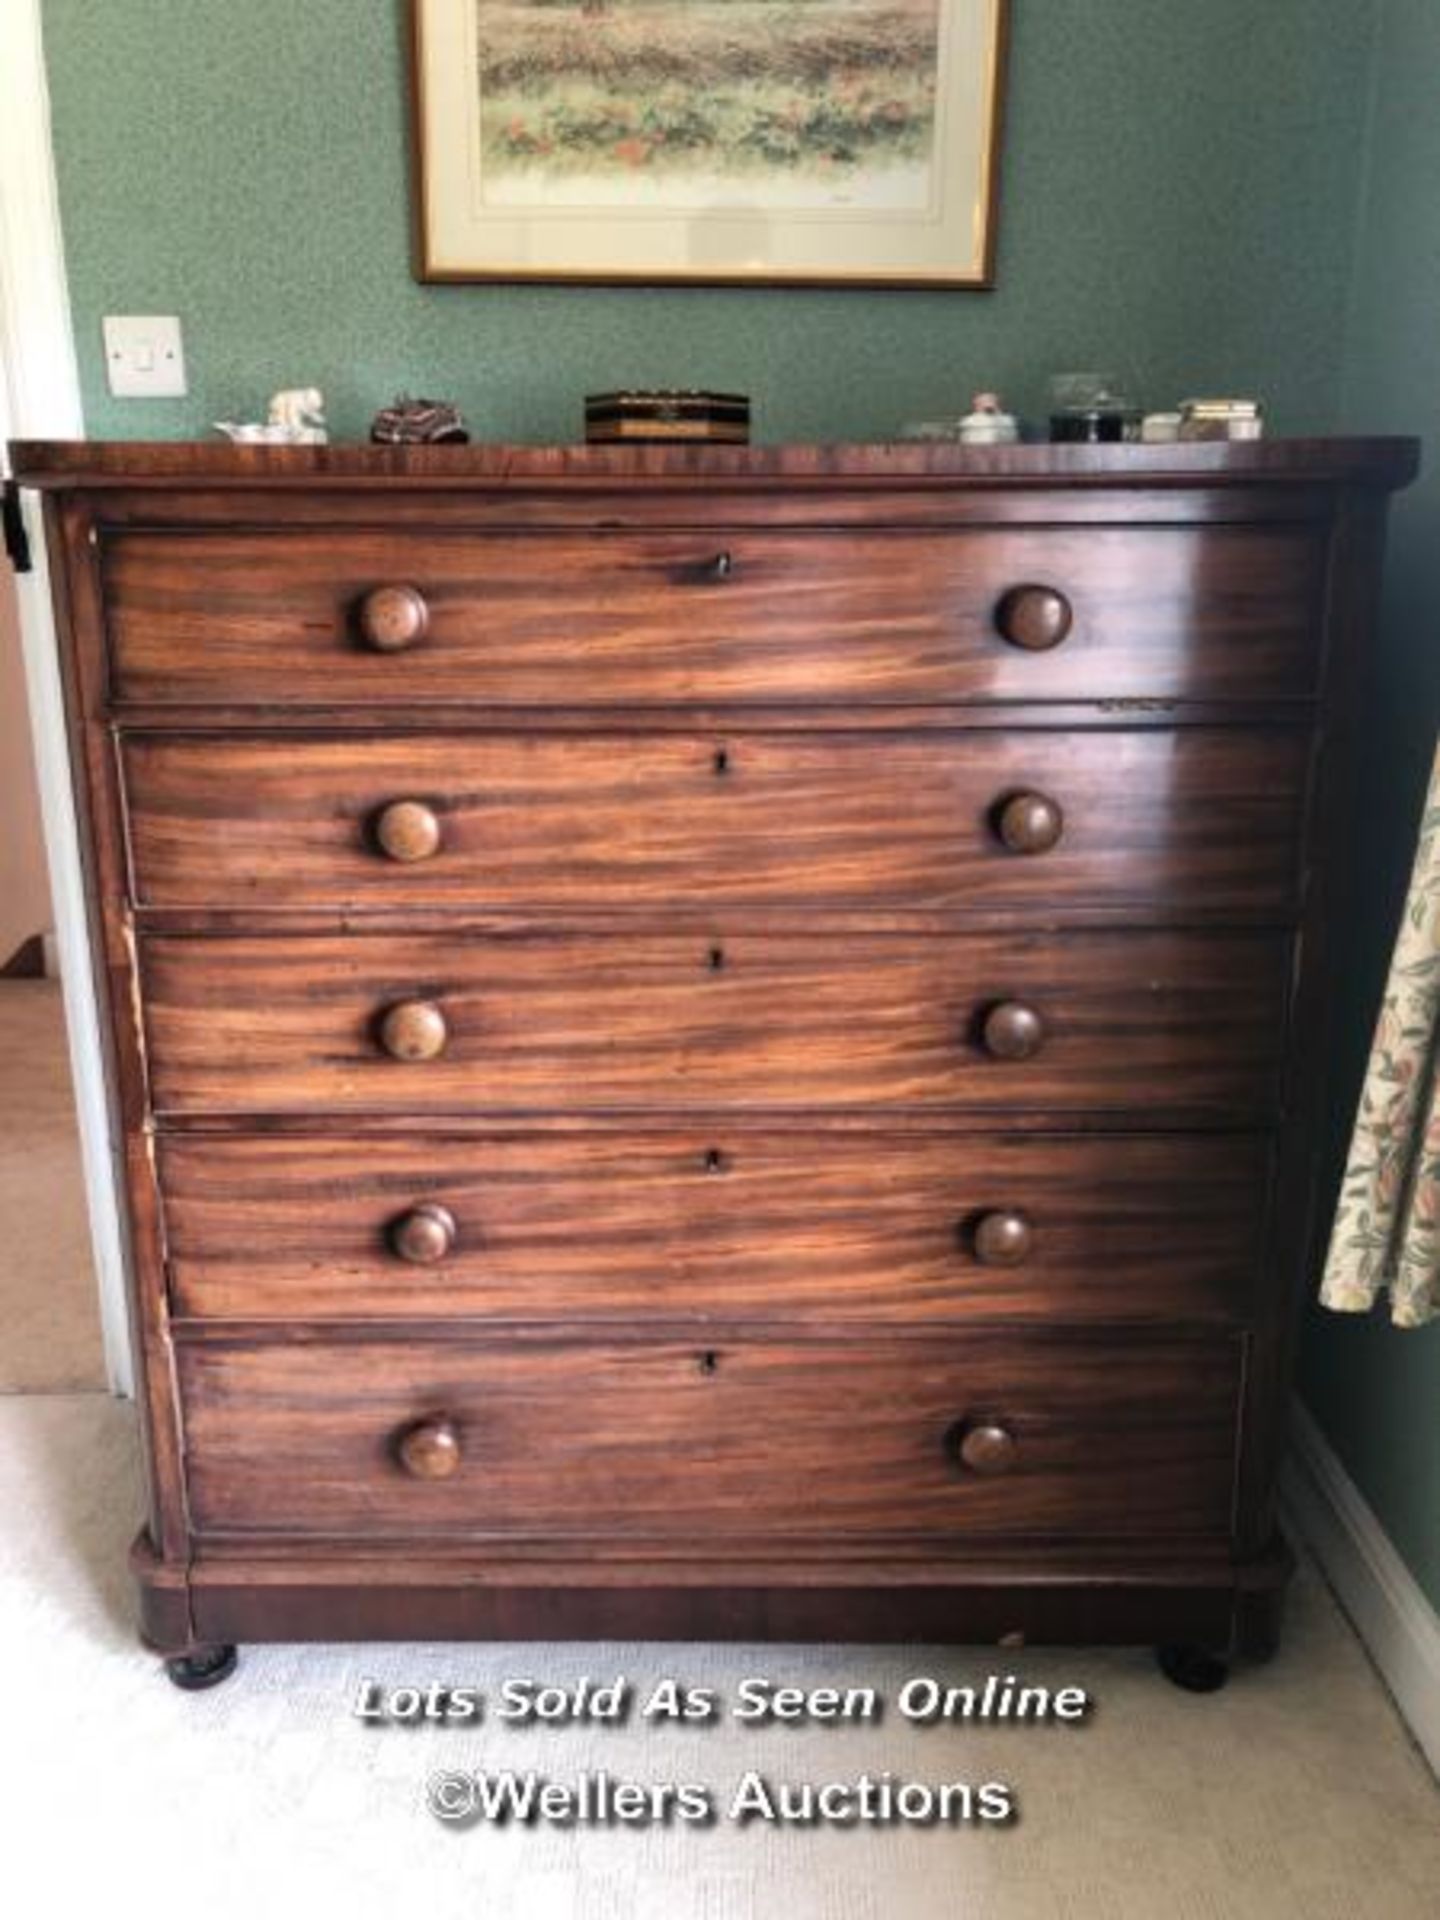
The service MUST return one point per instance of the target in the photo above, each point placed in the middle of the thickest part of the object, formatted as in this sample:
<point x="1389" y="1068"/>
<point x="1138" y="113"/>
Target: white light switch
<point x="144" y="356"/>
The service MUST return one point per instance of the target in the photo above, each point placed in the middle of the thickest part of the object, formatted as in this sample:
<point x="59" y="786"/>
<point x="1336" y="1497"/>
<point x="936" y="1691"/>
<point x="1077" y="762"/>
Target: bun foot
<point x="205" y="1667"/>
<point x="1195" y="1669"/>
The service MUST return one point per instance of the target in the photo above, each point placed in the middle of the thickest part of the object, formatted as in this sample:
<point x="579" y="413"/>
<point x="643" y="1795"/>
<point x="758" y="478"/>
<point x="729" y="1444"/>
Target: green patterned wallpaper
<point x="1376" y="1391"/>
<point x="1178" y="203"/>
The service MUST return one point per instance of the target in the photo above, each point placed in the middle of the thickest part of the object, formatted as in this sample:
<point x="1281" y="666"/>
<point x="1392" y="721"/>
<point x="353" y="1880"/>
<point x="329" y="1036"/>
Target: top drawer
<point x="862" y="619"/>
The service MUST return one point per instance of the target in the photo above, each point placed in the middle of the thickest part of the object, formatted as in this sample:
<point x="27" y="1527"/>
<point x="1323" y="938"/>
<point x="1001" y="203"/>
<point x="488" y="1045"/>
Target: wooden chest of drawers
<point x="714" y="1043"/>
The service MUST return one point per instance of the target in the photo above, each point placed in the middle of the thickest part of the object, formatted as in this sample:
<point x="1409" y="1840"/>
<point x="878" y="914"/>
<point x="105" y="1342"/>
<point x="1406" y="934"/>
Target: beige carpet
<point x="49" y="1317"/>
<point x="1294" y="1795"/>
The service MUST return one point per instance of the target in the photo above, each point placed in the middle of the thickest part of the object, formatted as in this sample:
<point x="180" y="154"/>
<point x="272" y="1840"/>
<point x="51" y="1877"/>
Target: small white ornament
<point x="987" y="424"/>
<point x="296" y="419"/>
<point x="299" y="414"/>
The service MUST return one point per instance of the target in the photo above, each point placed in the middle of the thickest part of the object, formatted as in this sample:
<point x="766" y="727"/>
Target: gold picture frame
<point x="708" y="142"/>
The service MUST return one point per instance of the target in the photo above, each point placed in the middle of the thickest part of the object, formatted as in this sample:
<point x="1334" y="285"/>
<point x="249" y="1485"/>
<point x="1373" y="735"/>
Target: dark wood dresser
<point x="714" y="1043"/>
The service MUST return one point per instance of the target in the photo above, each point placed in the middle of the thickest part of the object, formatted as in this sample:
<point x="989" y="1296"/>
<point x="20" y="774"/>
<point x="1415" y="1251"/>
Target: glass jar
<point x="1088" y="407"/>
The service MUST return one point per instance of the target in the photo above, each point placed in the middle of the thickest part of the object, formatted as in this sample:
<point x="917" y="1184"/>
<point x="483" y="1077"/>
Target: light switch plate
<point x="144" y="356"/>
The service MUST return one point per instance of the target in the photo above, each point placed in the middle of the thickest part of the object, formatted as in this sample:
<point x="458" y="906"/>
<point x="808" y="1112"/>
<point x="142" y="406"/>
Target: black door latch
<point x="17" y="541"/>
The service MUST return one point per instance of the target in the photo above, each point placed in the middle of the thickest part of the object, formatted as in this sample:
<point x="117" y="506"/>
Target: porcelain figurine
<point x="296" y="418"/>
<point x="300" y="413"/>
<point x="987" y="424"/>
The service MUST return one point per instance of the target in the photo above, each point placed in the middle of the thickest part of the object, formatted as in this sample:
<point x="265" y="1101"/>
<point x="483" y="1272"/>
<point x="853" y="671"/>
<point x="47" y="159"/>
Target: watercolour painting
<point x="821" y="141"/>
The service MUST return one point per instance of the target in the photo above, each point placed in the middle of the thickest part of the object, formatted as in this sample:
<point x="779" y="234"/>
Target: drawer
<point x="715" y="1226"/>
<point x="1177" y="1023"/>
<point x="1157" y="823"/>
<point x="664" y="1440"/>
<point x="717" y="614"/>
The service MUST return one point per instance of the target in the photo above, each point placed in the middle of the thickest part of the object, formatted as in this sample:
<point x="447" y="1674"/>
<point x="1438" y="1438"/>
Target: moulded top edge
<point x="1377" y="462"/>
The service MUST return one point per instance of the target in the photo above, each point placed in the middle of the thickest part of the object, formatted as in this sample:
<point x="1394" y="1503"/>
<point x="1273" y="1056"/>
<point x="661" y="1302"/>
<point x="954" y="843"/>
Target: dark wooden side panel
<point x="602" y="618"/>
<point x="717" y="1227"/>
<point x="1156" y="823"/>
<point x="609" y="1441"/>
<point x="1302" y="1216"/>
<point x="79" y="622"/>
<point x="1162" y="1023"/>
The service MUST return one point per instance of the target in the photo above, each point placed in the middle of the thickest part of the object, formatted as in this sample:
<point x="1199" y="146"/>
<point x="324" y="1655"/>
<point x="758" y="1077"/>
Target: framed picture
<point x="739" y="142"/>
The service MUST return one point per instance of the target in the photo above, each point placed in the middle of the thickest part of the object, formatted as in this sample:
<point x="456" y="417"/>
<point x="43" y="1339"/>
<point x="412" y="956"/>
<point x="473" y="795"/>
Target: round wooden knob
<point x="414" y="1030"/>
<point x="407" y="830"/>
<point x="1030" y="823"/>
<point x="1003" y="1239"/>
<point x="1013" y="1031"/>
<point x="393" y="618"/>
<point x="423" y="1235"/>
<point x="430" y="1450"/>
<point x="985" y="1447"/>
<point x="1033" y="617"/>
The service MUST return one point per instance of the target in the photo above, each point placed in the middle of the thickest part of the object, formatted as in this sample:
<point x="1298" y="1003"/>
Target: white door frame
<point x="40" y="399"/>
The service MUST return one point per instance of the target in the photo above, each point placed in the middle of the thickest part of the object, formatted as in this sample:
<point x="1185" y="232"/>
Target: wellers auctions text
<point x="599" y="1800"/>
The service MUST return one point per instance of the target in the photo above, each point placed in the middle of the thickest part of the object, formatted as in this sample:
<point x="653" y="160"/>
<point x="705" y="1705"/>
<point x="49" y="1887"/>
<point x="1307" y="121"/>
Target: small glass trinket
<point x="1088" y="407"/>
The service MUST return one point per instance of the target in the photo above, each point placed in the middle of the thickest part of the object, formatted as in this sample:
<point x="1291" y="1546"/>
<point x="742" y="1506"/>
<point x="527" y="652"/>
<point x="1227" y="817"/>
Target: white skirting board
<point x="1400" y="1628"/>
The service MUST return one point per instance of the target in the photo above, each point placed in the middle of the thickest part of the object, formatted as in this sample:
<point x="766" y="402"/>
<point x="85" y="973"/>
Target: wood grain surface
<point x="1157" y="823"/>
<point x="745" y="1439"/>
<point x="698" y="813"/>
<point x="609" y="618"/>
<point x="1162" y="1023"/>
<point x="712" y="1226"/>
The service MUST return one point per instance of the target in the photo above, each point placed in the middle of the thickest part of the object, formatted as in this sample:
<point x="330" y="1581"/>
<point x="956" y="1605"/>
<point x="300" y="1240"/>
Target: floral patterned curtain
<point x="1387" y="1225"/>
